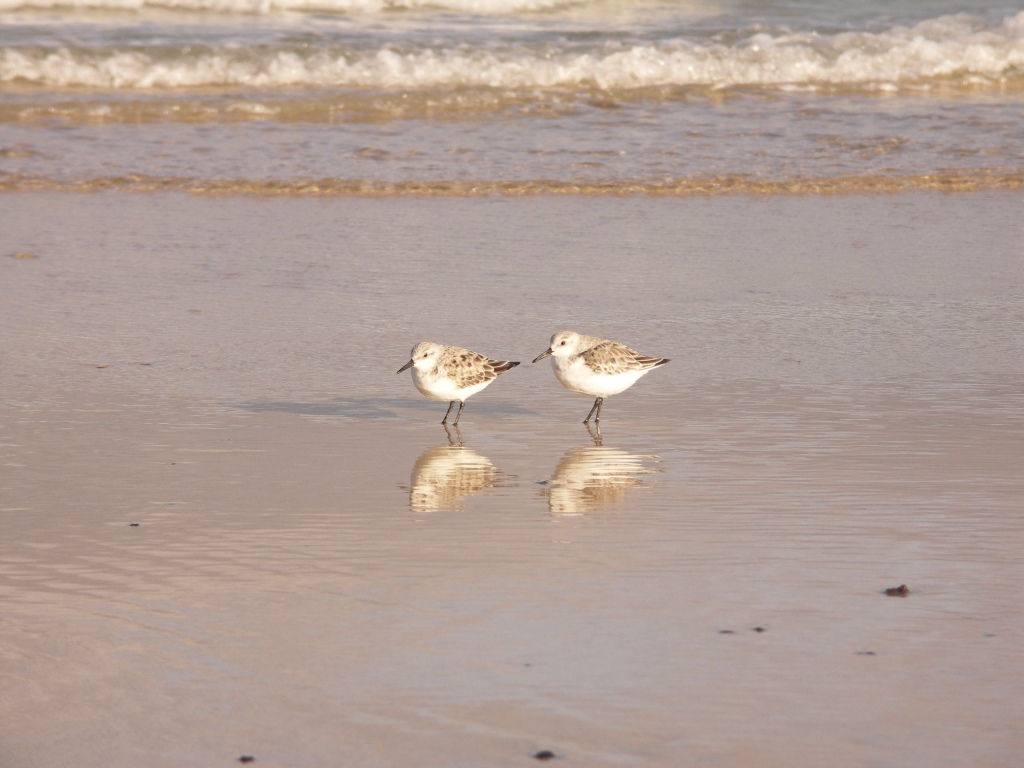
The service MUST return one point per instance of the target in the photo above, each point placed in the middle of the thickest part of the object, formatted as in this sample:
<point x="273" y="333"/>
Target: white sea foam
<point x="957" y="48"/>
<point x="481" y="7"/>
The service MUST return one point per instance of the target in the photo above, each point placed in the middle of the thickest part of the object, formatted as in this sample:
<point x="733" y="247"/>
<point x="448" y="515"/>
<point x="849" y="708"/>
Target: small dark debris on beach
<point x="545" y="754"/>
<point x="726" y="632"/>
<point x="866" y="653"/>
<point x="900" y="591"/>
<point x="246" y="759"/>
<point x="133" y="525"/>
<point x="760" y="629"/>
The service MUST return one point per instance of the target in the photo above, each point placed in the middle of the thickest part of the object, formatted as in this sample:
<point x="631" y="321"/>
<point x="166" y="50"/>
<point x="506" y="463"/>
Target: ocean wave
<point x="262" y="7"/>
<point x="957" y="49"/>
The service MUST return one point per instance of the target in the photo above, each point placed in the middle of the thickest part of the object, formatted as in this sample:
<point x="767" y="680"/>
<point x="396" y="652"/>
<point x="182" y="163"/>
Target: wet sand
<point x="320" y="574"/>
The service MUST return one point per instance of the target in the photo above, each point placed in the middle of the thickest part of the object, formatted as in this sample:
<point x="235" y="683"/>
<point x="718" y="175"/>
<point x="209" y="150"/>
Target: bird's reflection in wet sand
<point x="591" y="478"/>
<point x="442" y="477"/>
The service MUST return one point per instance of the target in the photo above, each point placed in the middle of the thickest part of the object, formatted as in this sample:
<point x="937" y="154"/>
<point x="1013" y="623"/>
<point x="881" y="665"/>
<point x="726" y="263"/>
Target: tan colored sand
<point x="320" y="575"/>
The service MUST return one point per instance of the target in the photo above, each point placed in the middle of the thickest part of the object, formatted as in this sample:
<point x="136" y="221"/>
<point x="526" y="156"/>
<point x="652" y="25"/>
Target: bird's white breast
<point x="576" y="376"/>
<point x="437" y="386"/>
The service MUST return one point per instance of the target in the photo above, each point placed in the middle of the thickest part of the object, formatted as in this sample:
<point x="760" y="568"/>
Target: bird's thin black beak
<point x="542" y="355"/>
<point x="407" y="366"/>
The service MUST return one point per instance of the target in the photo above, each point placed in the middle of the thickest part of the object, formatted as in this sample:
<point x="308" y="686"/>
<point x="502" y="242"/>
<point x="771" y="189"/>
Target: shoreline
<point x="966" y="181"/>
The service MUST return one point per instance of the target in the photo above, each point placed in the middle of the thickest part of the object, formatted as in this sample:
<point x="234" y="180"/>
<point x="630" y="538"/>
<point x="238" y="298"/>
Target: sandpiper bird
<point x="441" y="372"/>
<point x="596" y="367"/>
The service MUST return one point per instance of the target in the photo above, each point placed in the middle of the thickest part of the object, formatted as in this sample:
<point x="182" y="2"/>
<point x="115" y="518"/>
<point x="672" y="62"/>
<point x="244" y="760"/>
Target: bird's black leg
<point x="445" y="419"/>
<point x="600" y="402"/>
<point x="462" y="405"/>
<point x="595" y="407"/>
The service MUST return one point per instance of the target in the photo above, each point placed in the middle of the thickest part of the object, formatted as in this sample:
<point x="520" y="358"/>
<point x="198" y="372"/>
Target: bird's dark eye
<point x="563" y="343"/>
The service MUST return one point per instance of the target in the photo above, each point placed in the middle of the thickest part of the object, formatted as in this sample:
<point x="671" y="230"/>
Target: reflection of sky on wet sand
<point x="592" y="478"/>
<point x="443" y="476"/>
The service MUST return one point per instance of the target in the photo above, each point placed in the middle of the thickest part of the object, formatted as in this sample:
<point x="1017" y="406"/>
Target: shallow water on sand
<point x="322" y="574"/>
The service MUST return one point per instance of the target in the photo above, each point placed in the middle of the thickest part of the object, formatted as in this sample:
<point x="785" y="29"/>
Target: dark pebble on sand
<point x="246" y="759"/>
<point x="726" y="632"/>
<point x="545" y="754"/>
<point x="865" y="653"/>
<point x="900" y="591"/>
<point x="760" y="629"/>
<point x="133" y="525"/>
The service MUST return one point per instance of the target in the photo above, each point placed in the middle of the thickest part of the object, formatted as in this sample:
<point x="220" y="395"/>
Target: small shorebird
<point x="596" y="367"/>
<point x="448" y="373"/>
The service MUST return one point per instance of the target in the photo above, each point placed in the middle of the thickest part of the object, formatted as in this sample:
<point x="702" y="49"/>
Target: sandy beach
<point x="228" y="528"/>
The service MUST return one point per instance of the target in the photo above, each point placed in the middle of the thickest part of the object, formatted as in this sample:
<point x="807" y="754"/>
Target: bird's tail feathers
<point x="651" y="362"/>
<point x="500" y="366"/>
